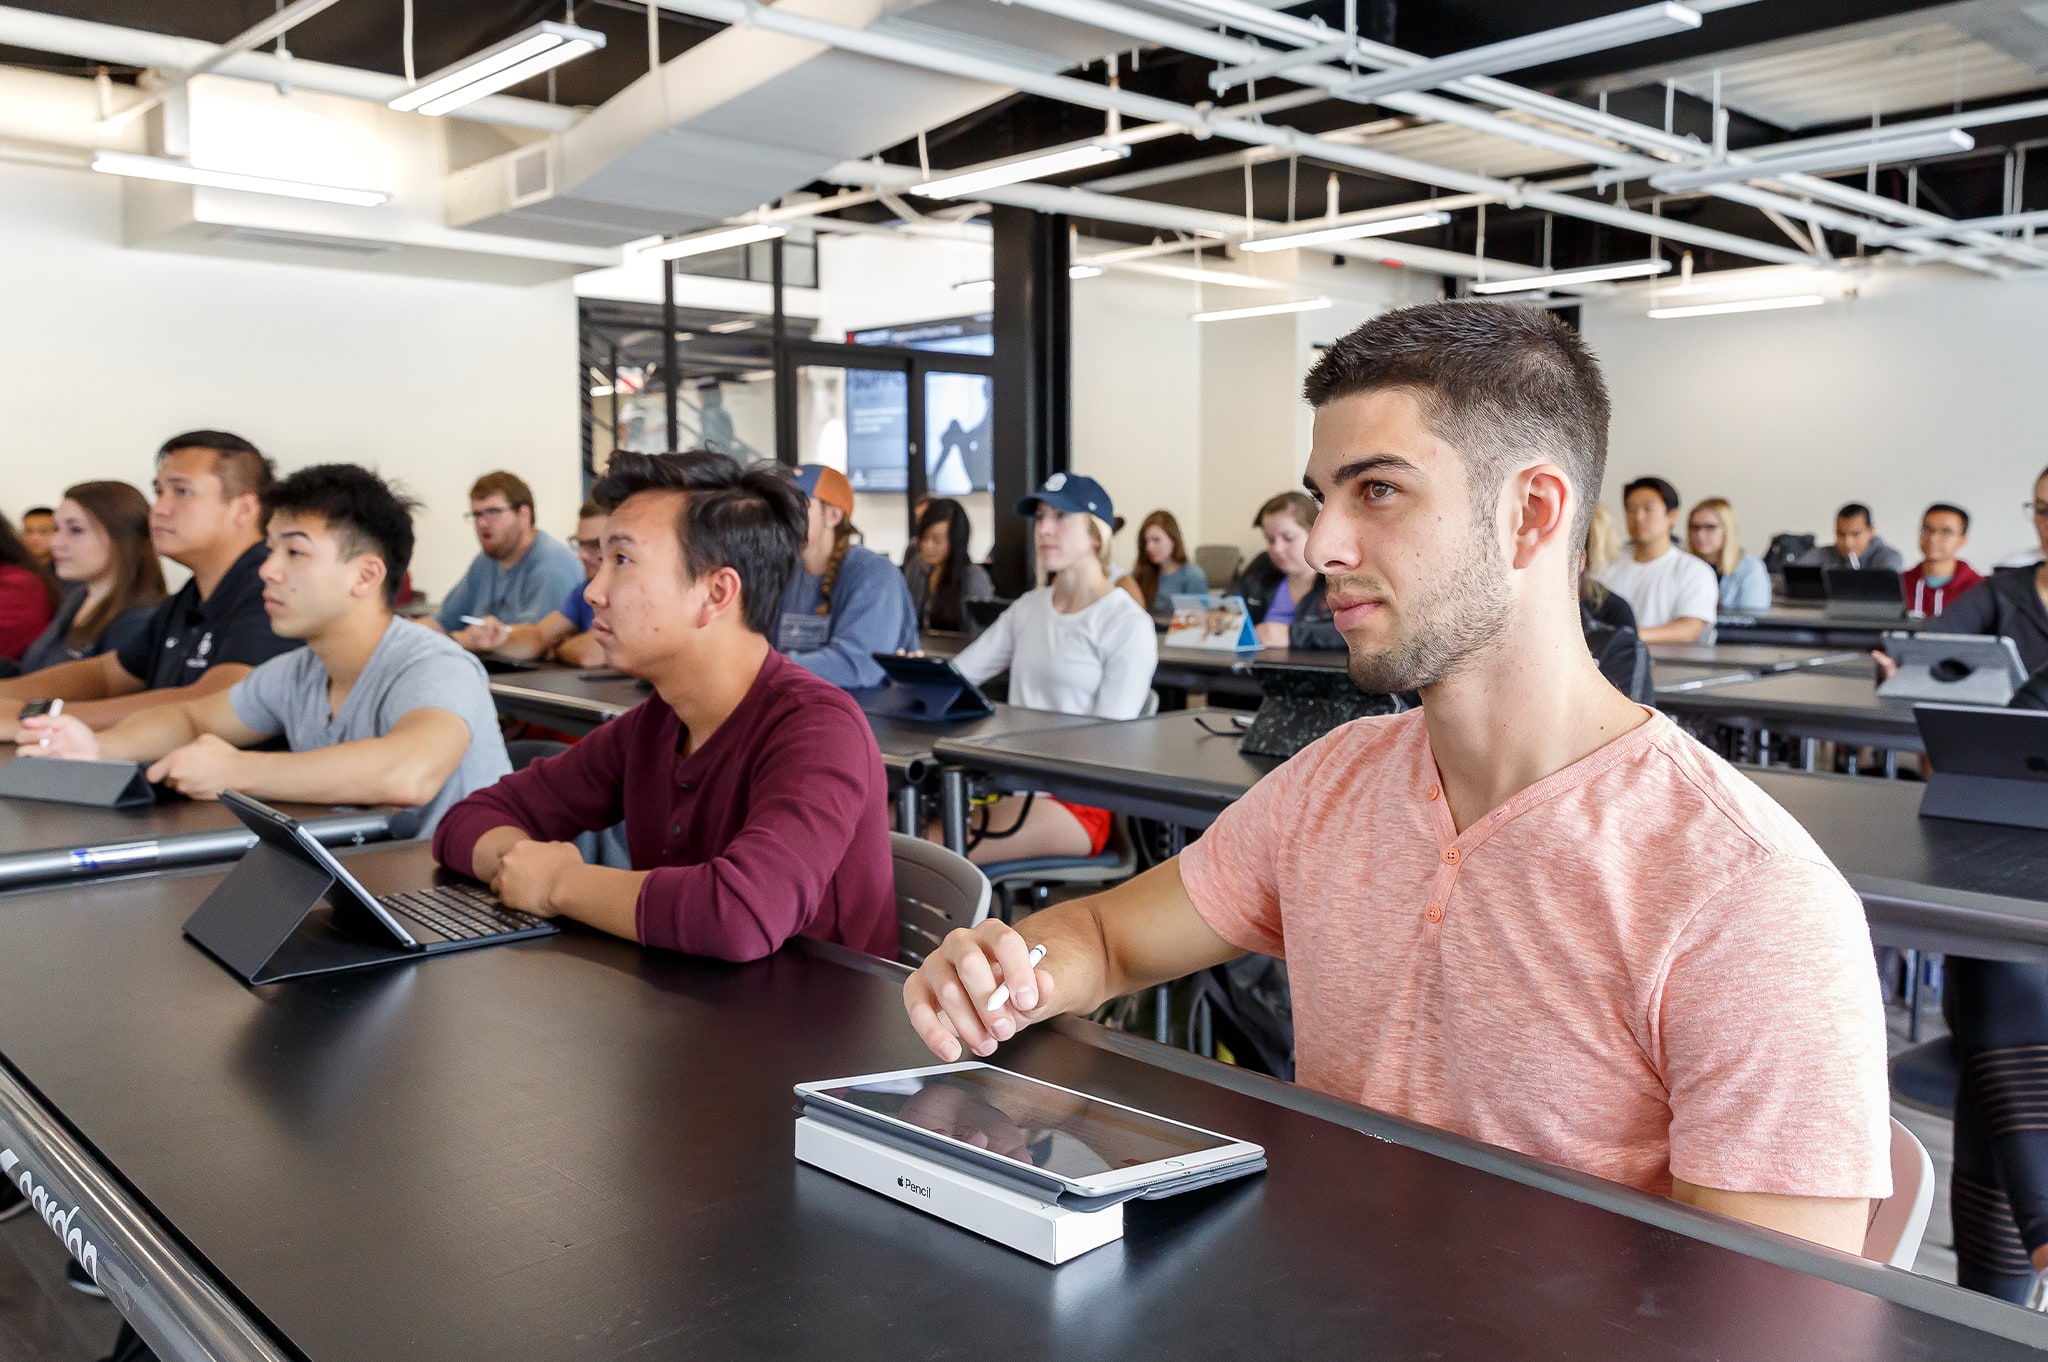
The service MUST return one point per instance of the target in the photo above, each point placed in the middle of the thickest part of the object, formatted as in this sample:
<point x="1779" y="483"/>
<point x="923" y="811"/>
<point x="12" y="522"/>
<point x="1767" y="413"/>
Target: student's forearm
<point x="580" y="650"/>
<point x="148" y="733"/>
<point x="84" y="679"/>
<point x="1141" y="933"/>
<point x="491" y="848"/>
<point x="523" y="643"/>
<point x="111" y="711"/>
<point x="601" y="897"/>
<point x="1682" y="630"/>
<point x="388" y="770"/>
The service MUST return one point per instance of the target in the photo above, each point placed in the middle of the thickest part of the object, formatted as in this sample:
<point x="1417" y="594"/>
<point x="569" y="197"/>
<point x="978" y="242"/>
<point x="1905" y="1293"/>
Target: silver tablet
<point x="1090" y="1146"/>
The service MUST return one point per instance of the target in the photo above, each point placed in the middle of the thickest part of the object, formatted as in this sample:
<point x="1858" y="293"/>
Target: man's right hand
<point x="488" y="635"/>
<point x="945" y="997"/>
<point x="56" y="735"/>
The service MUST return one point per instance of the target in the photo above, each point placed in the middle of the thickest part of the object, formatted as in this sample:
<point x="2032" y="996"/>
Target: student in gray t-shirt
<point x="377" y="710"/>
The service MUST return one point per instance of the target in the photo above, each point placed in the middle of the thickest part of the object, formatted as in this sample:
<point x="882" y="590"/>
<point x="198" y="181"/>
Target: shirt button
<point x="1434" y="792"/>
<point x="1435" y="912"/>
<point x="676" y="831"/>
<point x="1451" y="856"/>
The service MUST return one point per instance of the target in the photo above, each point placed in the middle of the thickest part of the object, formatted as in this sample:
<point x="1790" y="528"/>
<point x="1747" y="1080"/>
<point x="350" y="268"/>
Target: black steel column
<point x="1033" y="427"/>
<point x="671" y="394"/>
<point x="785" y="372"/>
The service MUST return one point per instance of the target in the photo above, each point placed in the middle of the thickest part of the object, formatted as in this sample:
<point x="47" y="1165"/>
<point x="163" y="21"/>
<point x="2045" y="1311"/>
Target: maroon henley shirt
<point x="776" y="827"/>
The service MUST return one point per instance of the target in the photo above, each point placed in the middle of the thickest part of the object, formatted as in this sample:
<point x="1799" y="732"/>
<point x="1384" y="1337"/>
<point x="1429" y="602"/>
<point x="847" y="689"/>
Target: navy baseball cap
<point x="1070" y="492"/>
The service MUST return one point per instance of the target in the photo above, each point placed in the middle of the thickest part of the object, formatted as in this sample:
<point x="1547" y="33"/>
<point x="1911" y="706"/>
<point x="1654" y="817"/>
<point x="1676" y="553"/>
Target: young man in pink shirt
<point x="1531" y="912"/>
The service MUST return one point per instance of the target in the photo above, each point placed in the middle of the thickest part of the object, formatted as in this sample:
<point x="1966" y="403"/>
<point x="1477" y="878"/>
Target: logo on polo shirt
<point x="197" y="662"/>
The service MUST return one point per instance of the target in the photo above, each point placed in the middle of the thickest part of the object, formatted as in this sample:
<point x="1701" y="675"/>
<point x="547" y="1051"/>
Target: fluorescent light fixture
<point x="731" y="328"/>
<point x="1819" y="160"/>
<point x="718" y="239"/>
<point x="527" y="53"/>
<point x="1591" y="274"/>
<point x="1083" y="271"/>
<point x="1742" y="305"/>
<point x="1572" y="40"/>
<point x="600" y="390"/>
<point x="1231" y="314"/>
<point x="975" y="286"/>
<point x="180" y="172"/>
<point x="1349" y="231"/>
<point x="1018" y="169"/>
<point x="2005" y="222"/>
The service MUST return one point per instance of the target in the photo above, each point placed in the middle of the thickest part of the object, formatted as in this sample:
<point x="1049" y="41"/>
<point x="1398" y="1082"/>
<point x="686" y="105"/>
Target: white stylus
<point x="56" y="708"/>
<point x="1001" y="996"/>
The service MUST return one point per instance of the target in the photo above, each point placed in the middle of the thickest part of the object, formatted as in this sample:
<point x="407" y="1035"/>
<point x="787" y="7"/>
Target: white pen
<point x="471" y="619"/>
<point x="56" y="708"/>
<point x="1001" y="996"/>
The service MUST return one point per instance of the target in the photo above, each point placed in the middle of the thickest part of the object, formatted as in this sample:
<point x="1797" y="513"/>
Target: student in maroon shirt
<point x="1940" y="576"/>
<point x="752" y="792"/>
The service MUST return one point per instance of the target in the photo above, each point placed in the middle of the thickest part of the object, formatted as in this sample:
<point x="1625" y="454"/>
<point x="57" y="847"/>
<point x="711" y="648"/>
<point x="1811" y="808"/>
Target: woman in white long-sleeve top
<point x="1079" y="646"/>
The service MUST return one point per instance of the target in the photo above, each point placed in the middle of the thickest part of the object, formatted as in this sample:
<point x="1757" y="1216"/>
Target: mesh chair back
<point x="936" y="891"/>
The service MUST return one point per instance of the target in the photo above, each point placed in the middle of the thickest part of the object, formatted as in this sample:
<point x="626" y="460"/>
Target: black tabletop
<point x="1966" y="888"/>
<point x="572" y="1149"/>
<point x="1815" y="703"/>
<point x="1806" y="625"/>
<point x="1670" y="676"/>
<point x="574" y="699"/>
<point x="40" y="841"/>
<point x="906" y="744"/>
<point x="1756" y="657"/>
<point x="1183" y="767"/>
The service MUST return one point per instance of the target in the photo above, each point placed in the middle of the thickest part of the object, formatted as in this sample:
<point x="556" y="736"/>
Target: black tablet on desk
<point x="1301" y="704"/>
<point x="930" y="689"/>
<point x="1988" y="765"/>
<point x="61" y="780"/>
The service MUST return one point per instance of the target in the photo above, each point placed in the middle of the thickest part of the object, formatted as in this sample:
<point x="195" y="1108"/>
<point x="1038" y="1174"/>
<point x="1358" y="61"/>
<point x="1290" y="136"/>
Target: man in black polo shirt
<point x="208" y="516"/>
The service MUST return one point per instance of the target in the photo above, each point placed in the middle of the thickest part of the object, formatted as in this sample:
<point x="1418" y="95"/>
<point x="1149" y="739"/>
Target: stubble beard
<point x="1448" y="626"/>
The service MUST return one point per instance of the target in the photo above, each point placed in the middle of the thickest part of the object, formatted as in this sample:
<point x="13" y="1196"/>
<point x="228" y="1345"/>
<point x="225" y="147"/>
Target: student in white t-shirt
<point x="1675" y="595"/>
<point x="1079" y="646"/>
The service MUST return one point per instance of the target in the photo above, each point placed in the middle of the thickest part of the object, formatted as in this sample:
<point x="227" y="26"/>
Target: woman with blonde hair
<point x="1079" y="646"/>
<point x="1711" y="535"/>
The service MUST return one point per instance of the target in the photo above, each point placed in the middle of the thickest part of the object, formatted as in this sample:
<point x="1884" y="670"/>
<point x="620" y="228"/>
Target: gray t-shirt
<point x="412" y="668"/>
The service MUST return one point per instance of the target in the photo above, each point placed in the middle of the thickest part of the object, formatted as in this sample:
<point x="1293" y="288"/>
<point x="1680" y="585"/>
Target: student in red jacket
<point x="1940" y="576"/>
<point x="752" y="792"/>
<point x="28" y="595"/>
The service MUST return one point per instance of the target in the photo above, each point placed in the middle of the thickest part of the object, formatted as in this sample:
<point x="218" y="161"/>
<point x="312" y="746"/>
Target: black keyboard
<point x="460" y="913"/>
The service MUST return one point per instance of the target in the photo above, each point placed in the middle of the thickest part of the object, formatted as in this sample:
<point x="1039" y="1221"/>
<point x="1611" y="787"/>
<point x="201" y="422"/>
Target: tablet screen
<point x="1064" y="1133"/>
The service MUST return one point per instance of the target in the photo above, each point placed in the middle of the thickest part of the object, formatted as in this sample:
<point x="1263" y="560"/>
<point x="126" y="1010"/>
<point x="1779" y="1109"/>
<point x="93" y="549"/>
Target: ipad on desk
<point x="61" y="780"/>
<point x="930" y="689"/>
<point x="1864" y="593"/>
<point x="1954" y="669"/>
<point x="1805" y="583"/>
<point x="1989" y="765"/>
<point x="1019" y="1126"/>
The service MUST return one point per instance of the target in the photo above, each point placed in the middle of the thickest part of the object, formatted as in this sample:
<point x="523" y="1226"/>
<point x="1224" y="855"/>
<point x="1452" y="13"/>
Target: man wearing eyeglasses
<point x="2013" y="603"/>
<point x="523" y="572"/>
<point x="564" y="633"/>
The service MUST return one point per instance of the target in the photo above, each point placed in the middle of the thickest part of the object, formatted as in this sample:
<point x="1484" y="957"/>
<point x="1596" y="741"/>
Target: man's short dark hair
<point x="1855" y="510"/>
<point x="589" y="509"/>
<point x="1503" y="384"/>
<point x="38" y="510"/>
<point x="241" y="467"/>
<point x="1939" y="507"/>
<point x="361" y="510"/>
<point x="751" y="518"/>
<point x="1666" y="493"/>
<point x="510" y="486"/>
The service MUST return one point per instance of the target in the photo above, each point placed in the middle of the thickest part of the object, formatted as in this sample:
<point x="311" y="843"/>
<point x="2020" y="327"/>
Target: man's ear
<point x="723" y="594"/>
<point x="1539" y="512"/>
<point x="367" y="575"/>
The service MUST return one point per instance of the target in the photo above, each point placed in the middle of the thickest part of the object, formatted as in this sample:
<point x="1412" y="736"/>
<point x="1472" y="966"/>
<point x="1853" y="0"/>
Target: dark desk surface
<point x="42" y="842"/>
<point x="572" y="1149"/>
<point x="1937" y="883"/>
<point x="907" y="743"/>
<point x="1811" y="703"/>
<point x="1760" y="658"/>
<point x="1806" y="625"/>
<point x="572" y="699"/>
<point x="1168" y="767"/>
<point x="1678" y="676"/>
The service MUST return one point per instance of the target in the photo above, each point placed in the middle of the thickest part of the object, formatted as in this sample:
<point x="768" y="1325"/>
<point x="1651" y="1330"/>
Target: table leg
<point x="906" y="811"/>
<point x="1809" y="754"/>
<point x="1762" y="738"/>
<point x="1891" y="764"/>
<point x="953" y="809"/>
<point x="1912" y="995"/>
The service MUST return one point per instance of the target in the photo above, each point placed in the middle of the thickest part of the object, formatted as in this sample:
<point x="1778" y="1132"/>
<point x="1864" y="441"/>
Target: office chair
<point x="525" y="751"/>
<point x="936" y="891"/>
<point x="1898" y="1222"/>
<point x="1219" y="563"/>
<point x="1926" y="1076"/>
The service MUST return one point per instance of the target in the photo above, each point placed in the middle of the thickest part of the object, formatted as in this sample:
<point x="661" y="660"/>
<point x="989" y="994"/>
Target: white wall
<point x="1926" y="386"/>
<point x="107" y="350"/>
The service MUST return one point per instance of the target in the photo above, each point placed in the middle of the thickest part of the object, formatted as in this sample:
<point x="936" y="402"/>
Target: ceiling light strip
<point x="1352" y="231"/>
<point x="1035" y="167"/>
<point x="1591" y="274"/>
<point x="135" y="166"/>
<point x="718" y="239"/>
<point x="523" y="55"/>
<point x="1744" y="305"/>
<point x="1231" y="314"/>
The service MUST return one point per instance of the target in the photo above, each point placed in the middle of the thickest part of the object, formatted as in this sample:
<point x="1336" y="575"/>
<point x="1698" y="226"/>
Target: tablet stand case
<point x="939" y="700"/>
<point x="59" y="780"/>
<point x="1287" y="723"/>
<point x="260" y="921"/>
<point x="1986" y="799"/>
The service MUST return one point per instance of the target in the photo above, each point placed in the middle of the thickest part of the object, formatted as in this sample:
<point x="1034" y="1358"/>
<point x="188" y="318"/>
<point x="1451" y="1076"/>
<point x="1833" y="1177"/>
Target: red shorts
<point x="1095" y="822"/>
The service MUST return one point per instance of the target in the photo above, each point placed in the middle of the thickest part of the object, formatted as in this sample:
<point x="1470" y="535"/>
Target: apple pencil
<point x="56" y="708"/>
<point x="471" y="619"/>
<point x="1001" y="996"/>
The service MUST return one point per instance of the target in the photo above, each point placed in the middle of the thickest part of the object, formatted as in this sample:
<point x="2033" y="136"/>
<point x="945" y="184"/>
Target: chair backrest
<point x="1151" y="705"/>
<point x="936" y="891"/>
<point x="524" y="751"/>
<point x="1897" y="1222"/>
<point x="1219" y="563"/>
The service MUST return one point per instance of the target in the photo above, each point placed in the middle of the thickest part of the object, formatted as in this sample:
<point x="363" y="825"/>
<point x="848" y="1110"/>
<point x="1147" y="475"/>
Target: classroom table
<point x="1808" y="625"/>
<point x="575" y="1149"/>
<point x="577" y="701"/>
<point x="1679" y="676"/>
<point x="1933" y="884"/>
<point x="1813" y="705"/>
<point x="1761" y="659"/>
<point x="42" y="842"/>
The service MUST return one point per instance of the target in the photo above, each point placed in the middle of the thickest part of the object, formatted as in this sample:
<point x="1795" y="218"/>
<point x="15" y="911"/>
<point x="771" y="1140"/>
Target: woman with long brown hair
<point x="103" y="554"/>
<point x="944" y="576"/>
<point x="1162" y="570"/>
